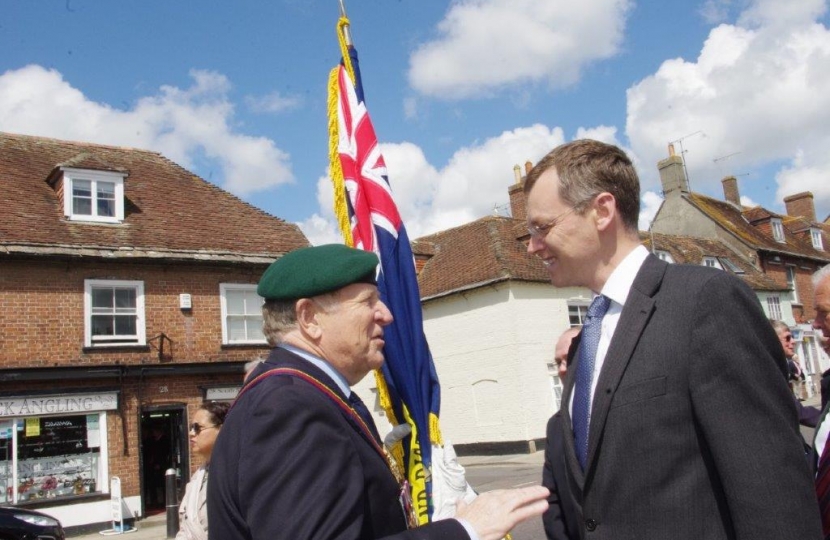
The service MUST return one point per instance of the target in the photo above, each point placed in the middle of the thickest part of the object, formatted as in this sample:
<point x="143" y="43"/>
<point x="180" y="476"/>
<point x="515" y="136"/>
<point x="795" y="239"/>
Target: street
<point x="510" y="474"/>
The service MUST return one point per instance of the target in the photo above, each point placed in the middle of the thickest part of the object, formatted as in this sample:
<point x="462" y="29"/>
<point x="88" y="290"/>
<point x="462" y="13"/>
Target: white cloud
<point x="432" y="199"/>
<point x="183" y="124"/>
<point x="484" y="46"/>
<point x="759" y="90"/>
<point x="272" y="103"/>
<point x="746" y="201"/>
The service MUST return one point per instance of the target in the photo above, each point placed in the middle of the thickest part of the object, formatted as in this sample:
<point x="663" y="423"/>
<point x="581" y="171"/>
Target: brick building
<point x="127" y="296"/>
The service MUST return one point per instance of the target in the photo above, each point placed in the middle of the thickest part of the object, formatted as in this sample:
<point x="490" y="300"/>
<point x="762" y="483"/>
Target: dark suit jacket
<point x="288" y="464"/>
<point x="693" y="429"/>
<point x="561" y="520"/>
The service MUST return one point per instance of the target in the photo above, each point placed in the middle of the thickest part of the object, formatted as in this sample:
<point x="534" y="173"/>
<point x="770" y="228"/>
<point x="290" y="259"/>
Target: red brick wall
<point x="42" y="312"/>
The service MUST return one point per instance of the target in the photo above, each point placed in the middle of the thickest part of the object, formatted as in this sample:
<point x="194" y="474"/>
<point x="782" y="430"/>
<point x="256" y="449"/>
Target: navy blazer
<point x="561" y="520"/>
<point x="288" y="464"/>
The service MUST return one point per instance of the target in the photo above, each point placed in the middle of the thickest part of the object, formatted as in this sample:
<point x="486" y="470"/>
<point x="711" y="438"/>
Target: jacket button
<point x="591" y="525"/>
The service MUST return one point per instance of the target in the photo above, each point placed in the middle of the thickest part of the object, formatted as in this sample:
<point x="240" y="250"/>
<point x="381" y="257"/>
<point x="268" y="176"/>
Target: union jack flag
<point x="375" y="225"/>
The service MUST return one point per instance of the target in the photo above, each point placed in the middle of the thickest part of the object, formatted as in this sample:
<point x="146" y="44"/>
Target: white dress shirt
<point x="616" y="289"/>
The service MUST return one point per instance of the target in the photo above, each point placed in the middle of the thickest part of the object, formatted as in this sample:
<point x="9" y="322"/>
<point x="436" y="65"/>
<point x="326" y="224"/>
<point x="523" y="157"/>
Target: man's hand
<point x="494" y="513"/>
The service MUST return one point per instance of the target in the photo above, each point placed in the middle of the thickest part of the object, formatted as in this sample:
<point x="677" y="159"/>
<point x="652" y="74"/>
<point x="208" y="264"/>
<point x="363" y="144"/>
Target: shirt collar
<point x="622" y="278"/>
<point x="338" y="379"/>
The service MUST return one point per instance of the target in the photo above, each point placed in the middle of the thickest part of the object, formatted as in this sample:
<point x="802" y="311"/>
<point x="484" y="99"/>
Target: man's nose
<point x="383" y="315"/>
<point x="535" y="245"/>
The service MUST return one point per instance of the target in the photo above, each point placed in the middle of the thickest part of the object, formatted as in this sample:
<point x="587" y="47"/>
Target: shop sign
<point x="57" y="404"/>
<point x="221" y="393"/>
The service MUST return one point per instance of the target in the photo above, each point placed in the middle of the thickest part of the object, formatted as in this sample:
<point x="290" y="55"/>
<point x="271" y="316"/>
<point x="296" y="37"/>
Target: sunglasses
<point x="197" y="428"/>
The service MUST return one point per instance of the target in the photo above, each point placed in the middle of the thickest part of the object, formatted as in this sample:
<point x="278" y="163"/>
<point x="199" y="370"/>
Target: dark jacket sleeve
<point x="747" y="417"/>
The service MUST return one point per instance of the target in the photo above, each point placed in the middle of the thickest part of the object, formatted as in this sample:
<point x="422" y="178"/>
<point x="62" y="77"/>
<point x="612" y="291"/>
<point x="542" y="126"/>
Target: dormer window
<point x="777" y="229"/>
<point x="93" y="195"/>
<point x="712" y="262"/>
<point x="818" y="243"/>
<point x="664" y="256"/>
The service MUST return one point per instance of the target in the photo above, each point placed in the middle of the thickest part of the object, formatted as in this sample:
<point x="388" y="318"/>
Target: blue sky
<point x="459" y="92"/>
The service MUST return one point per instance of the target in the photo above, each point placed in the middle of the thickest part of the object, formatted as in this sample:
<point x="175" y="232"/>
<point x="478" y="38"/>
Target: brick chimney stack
<point x="517" y="194"/>
<point x="730" y="190"/>
<point x="672" y="174"/>
<point x="801" y="205"/>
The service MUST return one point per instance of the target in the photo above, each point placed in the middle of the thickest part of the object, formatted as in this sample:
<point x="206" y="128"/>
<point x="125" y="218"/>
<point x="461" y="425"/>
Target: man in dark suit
<point x="299" y="456"/>
<point x="677" y="419"/>
<point x="821" y="439"/>
<point x="561" y="520"/>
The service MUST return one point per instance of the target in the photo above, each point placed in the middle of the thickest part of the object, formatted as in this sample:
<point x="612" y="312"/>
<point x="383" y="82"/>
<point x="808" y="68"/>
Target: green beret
<point x="311" y="271"/>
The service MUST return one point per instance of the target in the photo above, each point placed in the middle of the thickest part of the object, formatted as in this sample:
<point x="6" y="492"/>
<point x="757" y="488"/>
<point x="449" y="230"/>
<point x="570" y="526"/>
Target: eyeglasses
<point x="197" y="428"/>
<point x="788" y="338"/>
<point x="541" y="231"/>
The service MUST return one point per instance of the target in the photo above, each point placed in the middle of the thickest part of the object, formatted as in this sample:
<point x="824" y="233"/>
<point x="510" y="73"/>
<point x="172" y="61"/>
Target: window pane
<point x="106" y="190"/>
<point x="255" y="328"/>
<point x="236" y="329"/>
<point x="106" y="208"/>
<point x="82" y="188"/>
<point x="82" y="207"/>
<point x="102" y="325"/>
<point x="125" y="325"/>
<point x="101" y="298"/>
<point x="235" y="302"/>
<point x="125" y="298"/>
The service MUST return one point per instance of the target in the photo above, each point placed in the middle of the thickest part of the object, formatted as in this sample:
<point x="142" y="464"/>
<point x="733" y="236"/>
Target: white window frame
<point x="223" y="300"/>
<point x="777" y="230"/>
<point x="581" y="310"/>
<point x="774" y="307"/>
<point x="712" y="262"/>
<point x="140" y="338"/>
<point x="791" y="283"/>
<point x="664" y="256"/>
<point x="815" y="236"/>
<point x="70" y="176"/>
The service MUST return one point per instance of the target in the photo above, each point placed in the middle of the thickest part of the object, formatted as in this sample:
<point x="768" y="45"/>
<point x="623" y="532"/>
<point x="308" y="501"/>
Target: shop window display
<point x="50" y="457"/>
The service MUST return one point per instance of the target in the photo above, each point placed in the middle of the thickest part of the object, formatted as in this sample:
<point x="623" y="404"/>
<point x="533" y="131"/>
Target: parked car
<point x="22" y="524"/>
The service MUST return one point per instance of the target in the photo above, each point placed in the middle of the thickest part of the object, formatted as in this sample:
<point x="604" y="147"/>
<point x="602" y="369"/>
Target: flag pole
<point x="346" y="34"/>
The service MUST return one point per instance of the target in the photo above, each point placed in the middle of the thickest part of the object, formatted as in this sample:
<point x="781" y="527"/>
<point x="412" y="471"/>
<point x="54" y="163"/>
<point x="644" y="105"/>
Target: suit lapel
<point x="567" y="423"/>
<point x="635" y="315"/>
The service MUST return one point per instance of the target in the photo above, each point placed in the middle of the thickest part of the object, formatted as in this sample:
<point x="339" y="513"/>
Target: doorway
<point x="164" y="445"/>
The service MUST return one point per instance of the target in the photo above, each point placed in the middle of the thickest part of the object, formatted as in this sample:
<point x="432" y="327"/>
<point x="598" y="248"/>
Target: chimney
<point x="517" y="194"/>
<point x="672" y="174"/>
<point x="730" y="190"/>
<point x="801" y="205"/>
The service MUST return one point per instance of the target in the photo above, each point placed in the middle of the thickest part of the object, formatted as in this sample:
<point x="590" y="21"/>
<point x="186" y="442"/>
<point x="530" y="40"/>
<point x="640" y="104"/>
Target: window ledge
<point x="57" y="501"/>
<point x="116" y="348"/>
<point x="245" y="346"/>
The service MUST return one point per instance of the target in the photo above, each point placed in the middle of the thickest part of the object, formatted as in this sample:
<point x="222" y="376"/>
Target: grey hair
<point x="820" y="275"/>
<point x="779" y="326"/>
<point x="278" y="318"/>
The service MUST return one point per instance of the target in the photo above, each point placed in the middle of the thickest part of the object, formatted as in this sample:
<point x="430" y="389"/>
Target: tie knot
<point x="599" y="306"/>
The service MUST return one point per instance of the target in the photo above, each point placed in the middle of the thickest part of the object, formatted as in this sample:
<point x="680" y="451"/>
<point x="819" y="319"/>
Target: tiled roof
<point x="689" y="250"/>
<point x="491" y="249"/>
<point x="169" y="212"/>
<point x="749" y="226"/>
<point x="480" y="252"/>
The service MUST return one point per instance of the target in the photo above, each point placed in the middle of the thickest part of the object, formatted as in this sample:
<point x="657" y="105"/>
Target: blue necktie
<point x="588" y="343"/>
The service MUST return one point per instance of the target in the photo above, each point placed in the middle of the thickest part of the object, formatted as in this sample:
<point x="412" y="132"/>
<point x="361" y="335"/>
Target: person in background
<point x="561" y="518"/>
<point x="193" y="518"/>
<point x="249" y="368"/>
<point x="807" y="415"/>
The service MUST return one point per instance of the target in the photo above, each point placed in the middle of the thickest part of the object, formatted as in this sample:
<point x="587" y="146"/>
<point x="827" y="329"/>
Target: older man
<point x="299" y="456"/>
<point x="676" y="418"/>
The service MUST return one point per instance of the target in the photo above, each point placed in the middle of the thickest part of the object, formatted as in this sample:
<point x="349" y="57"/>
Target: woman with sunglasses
<point x="208" y="420"/>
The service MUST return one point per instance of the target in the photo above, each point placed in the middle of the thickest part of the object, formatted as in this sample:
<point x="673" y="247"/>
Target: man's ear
<point x="605" y="208"/>
<point x="308" y="318"/>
